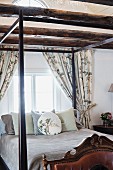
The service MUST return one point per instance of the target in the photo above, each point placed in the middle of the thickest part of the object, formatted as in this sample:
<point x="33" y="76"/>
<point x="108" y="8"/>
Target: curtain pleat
<point x="8" y="63"/>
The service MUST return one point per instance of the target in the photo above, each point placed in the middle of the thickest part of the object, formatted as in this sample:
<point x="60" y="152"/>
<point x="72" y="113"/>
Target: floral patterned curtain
<point x="84" y="65"/>
<point x="8" y="62"/>
<point x="61" y="66"/>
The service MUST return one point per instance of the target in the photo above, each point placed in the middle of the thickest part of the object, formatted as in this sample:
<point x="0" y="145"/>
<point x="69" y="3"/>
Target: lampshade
<point x="111" y="88"/>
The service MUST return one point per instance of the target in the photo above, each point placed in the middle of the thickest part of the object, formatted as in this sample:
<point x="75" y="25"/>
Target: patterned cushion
<point x="49" y="124"/>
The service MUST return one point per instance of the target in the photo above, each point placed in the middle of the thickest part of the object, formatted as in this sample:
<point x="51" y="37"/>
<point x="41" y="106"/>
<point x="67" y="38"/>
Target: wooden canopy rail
<point x="9" y="31"/>
<point x="56" y="17"/>
<point x="36" y="50"/>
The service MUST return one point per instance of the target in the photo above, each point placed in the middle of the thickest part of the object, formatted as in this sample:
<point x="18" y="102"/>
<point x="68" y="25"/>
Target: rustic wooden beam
<point x="55" y="42"/>
<point x="94" y="36"/>
<point x="60" y="16"/>
<point x="95" y="22"/>
<point x="103" y="2"/>
<point x="49" y="42"/>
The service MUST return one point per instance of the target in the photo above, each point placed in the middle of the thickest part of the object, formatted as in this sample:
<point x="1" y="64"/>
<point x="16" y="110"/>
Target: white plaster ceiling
<point x="75" y="6"/>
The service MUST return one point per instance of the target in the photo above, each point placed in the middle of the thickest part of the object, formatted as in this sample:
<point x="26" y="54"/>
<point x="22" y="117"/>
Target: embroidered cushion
<point x="49" y="124"/>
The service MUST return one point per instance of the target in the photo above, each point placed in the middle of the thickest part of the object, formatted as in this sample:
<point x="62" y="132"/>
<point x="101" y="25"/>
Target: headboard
<point x="95" y="153"/>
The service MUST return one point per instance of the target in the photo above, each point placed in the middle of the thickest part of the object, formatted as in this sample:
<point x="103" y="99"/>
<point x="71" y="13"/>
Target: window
<point x="33" y="3"/>
<point x="39" y="93"/>
<point x="44" y="93"/>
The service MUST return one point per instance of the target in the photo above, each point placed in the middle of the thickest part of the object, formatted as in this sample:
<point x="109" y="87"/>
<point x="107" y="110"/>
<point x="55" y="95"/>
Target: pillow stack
<point x="47" y="123"/>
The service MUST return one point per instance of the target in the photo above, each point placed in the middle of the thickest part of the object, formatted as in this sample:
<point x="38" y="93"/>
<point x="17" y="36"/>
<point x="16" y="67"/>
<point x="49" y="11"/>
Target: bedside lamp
<point x="111" y="90"/>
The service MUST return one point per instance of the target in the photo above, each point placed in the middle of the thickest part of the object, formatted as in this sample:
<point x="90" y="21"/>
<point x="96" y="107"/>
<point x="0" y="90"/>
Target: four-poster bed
<point x="65" y="38"/>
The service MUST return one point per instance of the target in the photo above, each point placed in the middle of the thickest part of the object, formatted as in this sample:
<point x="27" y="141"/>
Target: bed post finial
<point x="44" y="160"/>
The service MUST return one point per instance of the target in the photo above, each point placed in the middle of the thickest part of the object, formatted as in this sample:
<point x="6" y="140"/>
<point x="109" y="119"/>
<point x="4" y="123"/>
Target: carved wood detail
<point x="92" y="144"/>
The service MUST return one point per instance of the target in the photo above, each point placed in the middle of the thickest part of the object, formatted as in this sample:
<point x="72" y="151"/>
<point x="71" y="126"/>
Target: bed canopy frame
<point x="65" y="38"/>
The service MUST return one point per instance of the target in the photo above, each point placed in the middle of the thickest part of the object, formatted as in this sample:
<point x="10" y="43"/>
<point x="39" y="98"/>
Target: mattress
<point x="54" y="146"/>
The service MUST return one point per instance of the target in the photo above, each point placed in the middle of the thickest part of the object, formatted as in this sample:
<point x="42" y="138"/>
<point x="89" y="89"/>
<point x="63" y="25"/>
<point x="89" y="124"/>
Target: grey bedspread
<point x="54" y="146"/>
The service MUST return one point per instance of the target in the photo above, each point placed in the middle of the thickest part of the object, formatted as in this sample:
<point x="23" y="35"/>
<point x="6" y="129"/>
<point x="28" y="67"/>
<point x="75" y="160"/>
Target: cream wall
<point x="103" y="77"/>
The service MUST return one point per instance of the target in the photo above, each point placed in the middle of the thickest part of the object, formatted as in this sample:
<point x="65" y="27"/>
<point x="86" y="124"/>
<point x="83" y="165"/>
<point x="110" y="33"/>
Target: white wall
<point x="35" y="61"/>
<point x="103" y="77"/>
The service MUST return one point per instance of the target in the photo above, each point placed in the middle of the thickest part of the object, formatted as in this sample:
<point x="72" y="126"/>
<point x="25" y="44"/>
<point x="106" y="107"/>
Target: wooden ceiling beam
<point x="102" y="2"/>
<point x="86" y="35"/>
<point x="48" y="42"/>
<point x="72" y="18"/>
<point x="54" y="42"/>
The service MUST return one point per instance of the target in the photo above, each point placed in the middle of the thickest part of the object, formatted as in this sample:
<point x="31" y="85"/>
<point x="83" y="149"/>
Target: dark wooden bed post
<point x="73" y="81"/>
<point x="22" y="123"/>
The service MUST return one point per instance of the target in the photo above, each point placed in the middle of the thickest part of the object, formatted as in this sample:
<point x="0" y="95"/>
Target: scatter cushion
<point x="2" y="127"/>
<point x="36" y="116"/>
<point x="29" y="123"/>
<point x="67" y="119"/>
<point x="9" y="128"/>
<point x="49" y="124"/>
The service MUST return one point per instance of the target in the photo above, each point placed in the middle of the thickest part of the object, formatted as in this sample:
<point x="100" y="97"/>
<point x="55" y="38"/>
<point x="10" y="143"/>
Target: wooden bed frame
<point x="65" y="38"/>
<point x="96" y="151"/>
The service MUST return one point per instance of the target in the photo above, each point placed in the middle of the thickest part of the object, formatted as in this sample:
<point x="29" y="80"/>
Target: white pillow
<point x="29" y="123"/>
<point x="68" y="120"/>
<point x="49" y="124"/>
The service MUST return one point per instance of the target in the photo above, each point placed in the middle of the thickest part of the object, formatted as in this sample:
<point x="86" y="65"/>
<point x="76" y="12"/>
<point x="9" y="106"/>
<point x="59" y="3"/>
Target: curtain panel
<point x="61" y="66"/>
<point x="8" y="62"/>
<point x="84" y="77"/>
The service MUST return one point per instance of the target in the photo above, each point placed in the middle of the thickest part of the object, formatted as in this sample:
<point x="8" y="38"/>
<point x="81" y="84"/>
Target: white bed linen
<point x="54" y="146"/>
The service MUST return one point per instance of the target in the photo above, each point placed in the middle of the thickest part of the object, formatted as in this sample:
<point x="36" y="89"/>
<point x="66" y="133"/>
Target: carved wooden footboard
<point x="95" y="153"/>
